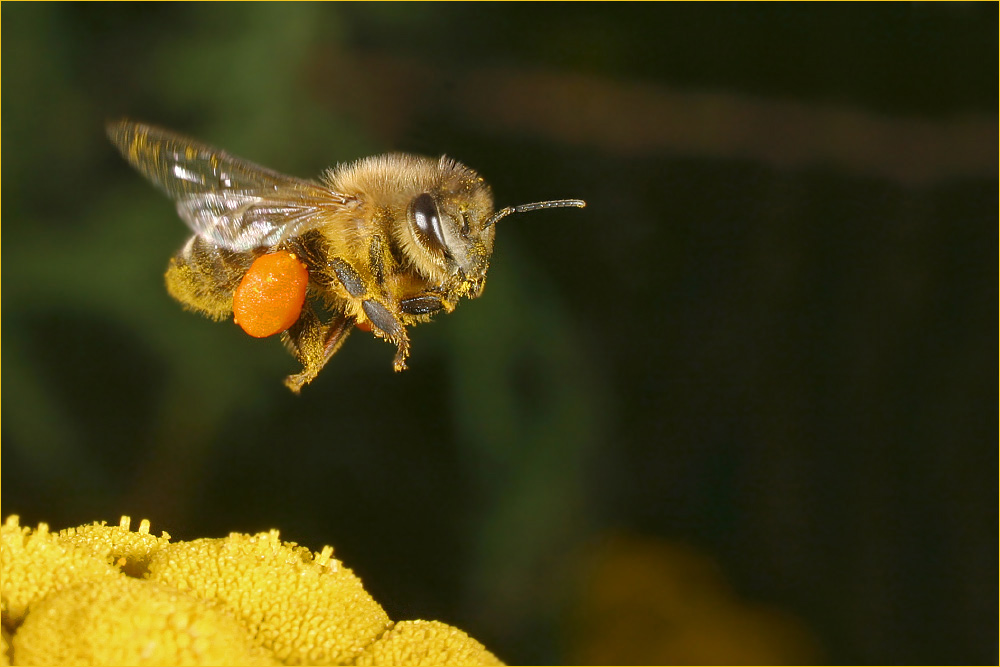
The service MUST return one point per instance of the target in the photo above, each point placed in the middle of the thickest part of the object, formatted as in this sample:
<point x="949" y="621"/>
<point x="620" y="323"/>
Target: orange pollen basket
<point x="270" y="296"/>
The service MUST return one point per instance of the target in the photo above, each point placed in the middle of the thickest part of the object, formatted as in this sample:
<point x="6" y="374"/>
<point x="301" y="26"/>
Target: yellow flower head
<point x="102" y="594"/>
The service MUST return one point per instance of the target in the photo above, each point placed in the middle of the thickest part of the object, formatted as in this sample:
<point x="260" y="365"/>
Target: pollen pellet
<point x="270" y="296"/>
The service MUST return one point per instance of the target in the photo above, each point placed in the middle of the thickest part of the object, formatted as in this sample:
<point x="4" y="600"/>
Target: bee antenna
<point x="524" y="208"/>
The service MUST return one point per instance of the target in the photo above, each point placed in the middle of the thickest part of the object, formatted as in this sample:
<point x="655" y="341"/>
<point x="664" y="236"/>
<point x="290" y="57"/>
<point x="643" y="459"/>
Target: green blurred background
<point x="768" y="344"/>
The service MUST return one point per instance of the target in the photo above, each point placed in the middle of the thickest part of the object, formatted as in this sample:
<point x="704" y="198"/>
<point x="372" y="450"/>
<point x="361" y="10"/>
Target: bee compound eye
<point x="428" y="222"/>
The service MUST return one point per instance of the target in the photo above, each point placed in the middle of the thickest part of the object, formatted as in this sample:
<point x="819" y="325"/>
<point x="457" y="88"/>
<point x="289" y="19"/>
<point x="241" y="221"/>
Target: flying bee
<point x="379" y="244"/>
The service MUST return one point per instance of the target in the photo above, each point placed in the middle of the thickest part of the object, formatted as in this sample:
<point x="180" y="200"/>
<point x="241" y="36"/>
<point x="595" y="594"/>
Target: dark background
<point x="768" y="342"/>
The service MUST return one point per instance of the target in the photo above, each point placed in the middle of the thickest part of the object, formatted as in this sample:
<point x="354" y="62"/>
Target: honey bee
<point x="380" y="244"/>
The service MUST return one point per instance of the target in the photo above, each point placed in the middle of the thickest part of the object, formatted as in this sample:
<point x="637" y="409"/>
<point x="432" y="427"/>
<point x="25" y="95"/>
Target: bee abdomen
<point x="203" y="277"/>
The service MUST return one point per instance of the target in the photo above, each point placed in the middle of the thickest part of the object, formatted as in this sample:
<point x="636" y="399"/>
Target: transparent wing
<point x="230" y="202"/>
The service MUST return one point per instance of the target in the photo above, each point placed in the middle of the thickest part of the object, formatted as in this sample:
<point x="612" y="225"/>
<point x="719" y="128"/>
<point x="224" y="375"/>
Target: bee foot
<point x="296" y="382"/>
<point x="399" y="362"/>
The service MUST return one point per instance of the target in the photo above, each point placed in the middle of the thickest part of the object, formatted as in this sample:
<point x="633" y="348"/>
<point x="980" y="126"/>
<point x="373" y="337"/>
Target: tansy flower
<point x="102" y="594"/>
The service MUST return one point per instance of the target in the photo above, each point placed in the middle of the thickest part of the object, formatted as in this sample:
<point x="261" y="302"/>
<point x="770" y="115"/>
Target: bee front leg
<point x="313" y="343"/>
<point x="423" y="304"/>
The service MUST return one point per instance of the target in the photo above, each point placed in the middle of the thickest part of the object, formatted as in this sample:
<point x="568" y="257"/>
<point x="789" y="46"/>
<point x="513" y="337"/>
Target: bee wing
<point x="229" y="202"/>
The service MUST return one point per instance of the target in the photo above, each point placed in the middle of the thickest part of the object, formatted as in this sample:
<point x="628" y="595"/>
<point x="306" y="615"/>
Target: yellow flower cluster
<point x="102" y="594"/>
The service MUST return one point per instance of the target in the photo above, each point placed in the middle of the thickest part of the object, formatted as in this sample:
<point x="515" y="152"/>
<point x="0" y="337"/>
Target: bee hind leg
<point x="313" y="342"/>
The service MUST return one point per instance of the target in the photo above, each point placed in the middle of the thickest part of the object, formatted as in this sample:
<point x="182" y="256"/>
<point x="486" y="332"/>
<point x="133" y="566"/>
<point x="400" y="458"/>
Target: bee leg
<point x="313" y="343"/>
<point x="386" y="325"/>
<point x="423" y="304"/>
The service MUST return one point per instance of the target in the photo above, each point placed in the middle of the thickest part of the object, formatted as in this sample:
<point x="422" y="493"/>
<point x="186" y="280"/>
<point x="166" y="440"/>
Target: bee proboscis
<point x="382" y="243"/>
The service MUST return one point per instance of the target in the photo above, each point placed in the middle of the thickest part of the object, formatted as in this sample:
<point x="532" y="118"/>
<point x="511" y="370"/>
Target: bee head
<point x="455" y="222"/>
<point x="440" y="213"/>
<point x="448" y="220"/>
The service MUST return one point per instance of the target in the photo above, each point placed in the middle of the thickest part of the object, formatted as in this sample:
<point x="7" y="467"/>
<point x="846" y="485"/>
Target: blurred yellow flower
<point x="648" y="601"/>
<point x="102" y="594"/>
